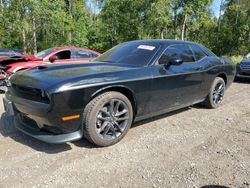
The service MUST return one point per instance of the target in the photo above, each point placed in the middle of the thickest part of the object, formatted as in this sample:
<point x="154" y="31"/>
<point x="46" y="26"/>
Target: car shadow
<point x="242" y="80"/>
<point x="199" y="106"/>
<point x="149" y="120"/>
<point x="7" y="129"/>
<point x="214" y="186"/>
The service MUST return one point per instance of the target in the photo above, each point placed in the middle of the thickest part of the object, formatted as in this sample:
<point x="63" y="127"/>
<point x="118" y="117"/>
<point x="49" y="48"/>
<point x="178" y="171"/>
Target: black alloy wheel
<point x="216" y="94"/>
<point x="107" y="118"/>
<point x="112" y="119"/>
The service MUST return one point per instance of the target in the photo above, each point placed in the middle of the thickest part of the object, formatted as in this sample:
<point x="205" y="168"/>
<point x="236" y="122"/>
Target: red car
<point x="10" y="65"/>
<point x="53" y="55"/>
<point x="10" y="52"/>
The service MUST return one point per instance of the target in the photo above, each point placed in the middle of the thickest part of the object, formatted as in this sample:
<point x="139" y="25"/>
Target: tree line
<point x="34" y="25"/>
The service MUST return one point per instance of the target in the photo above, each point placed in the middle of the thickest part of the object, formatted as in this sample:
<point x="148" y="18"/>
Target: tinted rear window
<point x="207" y="51"/>
<point x="198" y="52"/>
<point x="130" y="53"/>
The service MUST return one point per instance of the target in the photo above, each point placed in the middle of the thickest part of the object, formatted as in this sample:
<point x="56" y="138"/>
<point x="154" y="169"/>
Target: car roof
<point x="164" y="41"/>
<point x="73" y="47"/>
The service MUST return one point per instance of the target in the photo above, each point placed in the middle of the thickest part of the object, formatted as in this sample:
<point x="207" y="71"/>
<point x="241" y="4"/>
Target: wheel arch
<point x="121" y="89"/>
<point x="20" y="69"/>
<point x="223" y="76"/>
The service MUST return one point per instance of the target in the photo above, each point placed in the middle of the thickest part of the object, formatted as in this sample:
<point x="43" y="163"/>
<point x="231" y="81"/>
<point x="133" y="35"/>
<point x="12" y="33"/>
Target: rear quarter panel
<point x="214" y="67"/>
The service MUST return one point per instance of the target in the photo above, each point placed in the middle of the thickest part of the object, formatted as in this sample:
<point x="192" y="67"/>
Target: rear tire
<point x="107" y="118"/>
<point x="216" y="94"/>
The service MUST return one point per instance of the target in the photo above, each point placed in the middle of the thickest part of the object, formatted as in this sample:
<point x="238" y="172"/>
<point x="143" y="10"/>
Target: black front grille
<point x="29" y="93"/>
<point x="245" y="66"/>
<point x="244" y="73"/>
<point x="28" y="121"/>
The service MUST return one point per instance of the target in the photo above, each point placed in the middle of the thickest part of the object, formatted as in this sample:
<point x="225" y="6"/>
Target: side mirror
<point x="175" y="61"/>
<point x="52" y="58"/>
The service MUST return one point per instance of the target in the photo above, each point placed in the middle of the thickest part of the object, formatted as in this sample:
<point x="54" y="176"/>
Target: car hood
<point x="14" y="67"/>
<point x="62" y="77"/>
<point x="20" y="58"/>
<point x="245" y="61"/>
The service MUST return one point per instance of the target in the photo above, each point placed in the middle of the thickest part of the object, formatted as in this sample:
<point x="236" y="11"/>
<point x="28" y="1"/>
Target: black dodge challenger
<point x="130" y="82"/>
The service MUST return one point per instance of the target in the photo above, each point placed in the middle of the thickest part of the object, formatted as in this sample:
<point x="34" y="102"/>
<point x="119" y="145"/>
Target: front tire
<point x="216" y="95"/>
<point x="107" y="118"/>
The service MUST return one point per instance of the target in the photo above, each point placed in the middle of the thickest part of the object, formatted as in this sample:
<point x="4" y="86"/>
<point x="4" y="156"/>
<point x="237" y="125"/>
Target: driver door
<point x="176" y="86"/>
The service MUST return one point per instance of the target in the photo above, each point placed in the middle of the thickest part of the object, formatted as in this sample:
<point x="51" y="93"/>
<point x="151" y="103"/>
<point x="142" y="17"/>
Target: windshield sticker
<point x="146" y="47"/>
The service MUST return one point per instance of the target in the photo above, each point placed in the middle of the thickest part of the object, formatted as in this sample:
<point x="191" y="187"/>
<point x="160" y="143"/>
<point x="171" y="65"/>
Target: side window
<point x="94" y="55"/>
<point x="198" y="53"/>
<point x="81" y="54"/>
<point x="63" y="54"/>
<point x="182" y="51"/>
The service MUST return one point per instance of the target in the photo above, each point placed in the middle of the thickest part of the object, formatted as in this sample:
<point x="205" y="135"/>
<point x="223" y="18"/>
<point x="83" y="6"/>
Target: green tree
<point x="158" y="20"/>
<point x="35" y="25"/>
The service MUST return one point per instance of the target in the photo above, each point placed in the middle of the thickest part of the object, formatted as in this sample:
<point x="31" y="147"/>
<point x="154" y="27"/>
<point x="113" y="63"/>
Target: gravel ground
<point x="193" y="147"/>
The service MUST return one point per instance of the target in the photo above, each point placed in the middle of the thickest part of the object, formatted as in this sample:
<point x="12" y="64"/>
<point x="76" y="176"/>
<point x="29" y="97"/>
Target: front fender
<point x="111" y="87"/>
<point x="128" y="92"/>
<point x="16" y="69"/>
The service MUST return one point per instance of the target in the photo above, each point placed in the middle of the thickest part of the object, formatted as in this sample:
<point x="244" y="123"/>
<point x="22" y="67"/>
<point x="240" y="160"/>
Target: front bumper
<point x="238" y="75"/>
<point x="45" y="136"/>
<point x="35" y="120"/>
<point x="242" y="73"/>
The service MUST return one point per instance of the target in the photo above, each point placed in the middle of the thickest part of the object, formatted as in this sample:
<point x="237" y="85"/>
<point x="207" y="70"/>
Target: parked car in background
<point x="53" y="55"/>
<point x="10" y="52"/>
<point x="243" y="68"/>
<point x="13" y="64"/>
<point x="100" y="100"/>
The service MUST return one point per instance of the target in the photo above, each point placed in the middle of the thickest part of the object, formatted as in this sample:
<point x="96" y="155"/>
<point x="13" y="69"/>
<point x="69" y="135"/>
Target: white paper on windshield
<point x="146" y="47"/>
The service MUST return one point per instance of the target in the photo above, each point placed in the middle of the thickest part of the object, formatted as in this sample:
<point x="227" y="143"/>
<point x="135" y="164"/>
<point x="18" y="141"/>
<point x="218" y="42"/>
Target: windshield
<point x="7" y="54"/>
<point x="44" y="53"/>
<point x="248" y="56"/>
<point x="136" y="53"/>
